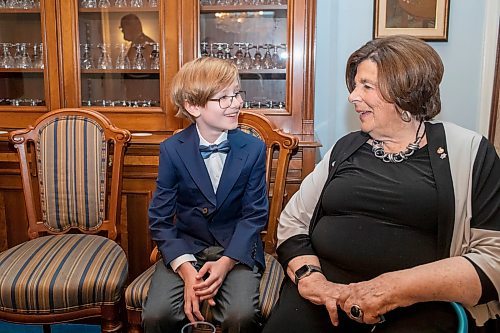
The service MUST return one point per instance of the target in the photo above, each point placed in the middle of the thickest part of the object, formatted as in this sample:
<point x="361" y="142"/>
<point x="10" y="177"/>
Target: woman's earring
<point x="406" y="116"/>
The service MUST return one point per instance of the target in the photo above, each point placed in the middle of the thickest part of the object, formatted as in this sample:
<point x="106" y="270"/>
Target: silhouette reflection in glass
<point x="139" y="86"/>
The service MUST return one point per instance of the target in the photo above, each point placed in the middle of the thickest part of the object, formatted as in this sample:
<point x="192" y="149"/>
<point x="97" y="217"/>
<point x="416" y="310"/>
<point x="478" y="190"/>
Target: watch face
<point x="301" y="272"/>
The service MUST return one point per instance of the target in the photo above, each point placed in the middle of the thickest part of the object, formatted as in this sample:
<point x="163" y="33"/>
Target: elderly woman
<point x="400" y="218"/>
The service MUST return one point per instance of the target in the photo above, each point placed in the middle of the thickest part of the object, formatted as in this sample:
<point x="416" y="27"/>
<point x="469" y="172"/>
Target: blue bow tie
<point x="222" y="147"/>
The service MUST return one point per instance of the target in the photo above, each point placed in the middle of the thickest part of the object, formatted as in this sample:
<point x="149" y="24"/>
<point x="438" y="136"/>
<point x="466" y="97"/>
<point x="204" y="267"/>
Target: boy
<point x="209" y="207"/>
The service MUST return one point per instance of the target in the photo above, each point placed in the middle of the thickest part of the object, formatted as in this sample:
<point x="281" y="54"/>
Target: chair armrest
<point x="155" y="255"/>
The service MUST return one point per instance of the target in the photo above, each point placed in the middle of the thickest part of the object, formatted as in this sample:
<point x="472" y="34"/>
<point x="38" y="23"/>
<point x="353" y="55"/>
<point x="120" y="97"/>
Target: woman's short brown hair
<point x="199" y="80"/>
<point x="409" y="73"/>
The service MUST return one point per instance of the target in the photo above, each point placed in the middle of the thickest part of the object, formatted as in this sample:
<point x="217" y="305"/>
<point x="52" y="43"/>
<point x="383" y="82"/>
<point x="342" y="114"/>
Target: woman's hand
<point x="217" y="271"/>
<point x="374" y="297"/>
<point x="188" y="274"/>
<point x="318" y="290"/>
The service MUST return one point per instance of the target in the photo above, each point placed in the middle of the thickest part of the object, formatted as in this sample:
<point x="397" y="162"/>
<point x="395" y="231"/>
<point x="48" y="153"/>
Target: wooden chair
<point x="71" y="168"/>
<point x="279" y="148"/>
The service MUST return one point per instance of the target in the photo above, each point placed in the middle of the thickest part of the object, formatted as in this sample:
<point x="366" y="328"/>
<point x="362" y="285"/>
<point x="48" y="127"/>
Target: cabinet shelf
<point x="263" y="71"/>
<point x="249" y="8"/>
<point x="21" y="70"/>
<point x="120" y="71"/>
<point x="19" y="11"/>
<point x="118" y="10"/>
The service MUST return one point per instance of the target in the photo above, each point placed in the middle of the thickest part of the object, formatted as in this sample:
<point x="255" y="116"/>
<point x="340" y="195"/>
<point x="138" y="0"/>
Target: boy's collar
<point x="222" y="137"/>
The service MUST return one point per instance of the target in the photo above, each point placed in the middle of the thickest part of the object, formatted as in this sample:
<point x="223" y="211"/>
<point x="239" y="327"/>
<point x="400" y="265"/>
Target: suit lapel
<point x="235" y="161"/>
<point x="189" y="153"/>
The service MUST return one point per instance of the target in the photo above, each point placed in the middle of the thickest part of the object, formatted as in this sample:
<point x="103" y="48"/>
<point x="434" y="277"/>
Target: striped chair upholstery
<point x="71" y="268"/>
<point x="137" y="291"/>
<point x="55" y="273"/>
<point x="72" y="184"/>
<point x="276" y="141"/>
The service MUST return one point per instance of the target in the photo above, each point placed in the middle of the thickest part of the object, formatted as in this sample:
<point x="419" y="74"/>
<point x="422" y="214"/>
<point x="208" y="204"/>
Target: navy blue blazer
<point x="186" y="216"/>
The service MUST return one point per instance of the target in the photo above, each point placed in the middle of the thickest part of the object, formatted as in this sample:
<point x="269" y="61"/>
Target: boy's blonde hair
<point x="199" y="80"/>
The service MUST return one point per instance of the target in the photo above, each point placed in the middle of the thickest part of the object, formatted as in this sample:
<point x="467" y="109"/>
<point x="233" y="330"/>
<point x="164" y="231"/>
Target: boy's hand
<point x="191" y="301"/>
<point x="217" y="271"/>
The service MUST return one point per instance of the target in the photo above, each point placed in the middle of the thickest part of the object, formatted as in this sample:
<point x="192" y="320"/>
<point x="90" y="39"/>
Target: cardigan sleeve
<point x="485" y="221"/>
<point x="293" y="227"/>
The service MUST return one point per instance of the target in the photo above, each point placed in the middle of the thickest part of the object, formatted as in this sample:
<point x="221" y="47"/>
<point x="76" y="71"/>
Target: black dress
<point x="377" y="217"/>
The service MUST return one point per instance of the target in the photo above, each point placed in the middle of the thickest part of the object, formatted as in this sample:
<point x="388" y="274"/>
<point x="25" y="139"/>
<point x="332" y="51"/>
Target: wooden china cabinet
<point x="118" y="57"/>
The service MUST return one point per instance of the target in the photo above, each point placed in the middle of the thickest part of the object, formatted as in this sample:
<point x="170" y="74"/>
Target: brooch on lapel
<point x="442" y="154"/>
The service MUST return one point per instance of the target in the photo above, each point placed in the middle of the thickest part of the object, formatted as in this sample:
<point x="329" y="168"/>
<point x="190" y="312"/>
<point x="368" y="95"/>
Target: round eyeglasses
<point x="226" y="101"/>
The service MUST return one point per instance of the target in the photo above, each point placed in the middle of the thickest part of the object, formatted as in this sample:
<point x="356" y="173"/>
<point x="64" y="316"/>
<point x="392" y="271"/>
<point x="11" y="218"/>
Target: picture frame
<point x="425" y="19"/>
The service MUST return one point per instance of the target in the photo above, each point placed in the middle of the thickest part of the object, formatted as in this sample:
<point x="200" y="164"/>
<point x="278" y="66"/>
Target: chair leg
<point x="110" y="319"/>
<point x="134" y="321"/>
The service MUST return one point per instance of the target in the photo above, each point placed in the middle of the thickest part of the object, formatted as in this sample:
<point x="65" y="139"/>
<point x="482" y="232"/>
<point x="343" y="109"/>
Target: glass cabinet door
<point x="22" y="55"/>
<point x="119" y="48"/>
<point x="253" y="35"/>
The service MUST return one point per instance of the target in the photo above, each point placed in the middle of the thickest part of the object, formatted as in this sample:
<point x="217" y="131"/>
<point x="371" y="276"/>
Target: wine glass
<point x="155" y="56"/>
<point x="257" y="58"/>
<point x="38" y="55"/>
<point x="136" y="3"/>
<point x="121" y="3"/>
<point x="103" y="4"/>
<point x="104" y="61"/>
<point x="204" y="49"/>
<point x="267" y="61"/>
<point x="89" y="4"/>
<point x="153" y="3"/>
<point x="122" y="61"/>
<point x="2" y="4"/>
<point x="247" y="58"/>
<point x="7" y="60"/>
<point x="238" y="55"/>
<point x="227" y="51"/>
<point x="139" y="60"/>
<point x="87" y="62"/>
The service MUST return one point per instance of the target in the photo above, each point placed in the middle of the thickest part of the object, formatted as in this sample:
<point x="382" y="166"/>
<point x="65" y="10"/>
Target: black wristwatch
<point x="305" y="271"/>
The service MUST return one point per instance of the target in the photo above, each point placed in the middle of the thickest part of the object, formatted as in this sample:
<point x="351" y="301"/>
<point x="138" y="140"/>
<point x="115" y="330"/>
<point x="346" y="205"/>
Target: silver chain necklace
<point x="378" y="149"/>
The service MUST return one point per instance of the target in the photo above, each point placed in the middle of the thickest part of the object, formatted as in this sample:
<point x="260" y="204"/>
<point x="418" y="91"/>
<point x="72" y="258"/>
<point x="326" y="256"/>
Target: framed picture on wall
<point x="426" y="19"/>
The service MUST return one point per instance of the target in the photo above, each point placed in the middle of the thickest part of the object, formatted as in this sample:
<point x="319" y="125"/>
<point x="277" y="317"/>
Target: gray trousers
<point x="237" y="301"/>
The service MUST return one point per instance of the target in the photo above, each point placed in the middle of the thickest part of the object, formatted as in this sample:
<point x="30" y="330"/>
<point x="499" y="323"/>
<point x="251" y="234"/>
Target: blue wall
<point x="345" y="25"/>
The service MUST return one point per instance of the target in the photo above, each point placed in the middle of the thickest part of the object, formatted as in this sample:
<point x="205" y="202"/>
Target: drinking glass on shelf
<point x="104" y="61"/>
<point x="122" y="61"/>
<point x="153" y="3"/>
<point x="257" y="58"/>
<point x="275" y="58"/>
<point x="38" y="55"/>
<point x="103" y="4"/>
<point x="7" y="60"/>
<point x="267" y="61"/>
<point x="23" y="59"/>
<point x="155" y="56"/>
<point x="86" y="61"/>
<point x="121" y="3"/>
<point x="227" y="51"/>
<point x="139" y="60"/>
<point x="247" y="58"/>
<point x="10" y="3"/>
<point x="89" y="3"/>
<point x="136" y="3"/>
<point x="2" y="4"/>
<point x="204" y="49"/>
<point x="26" y="4"/>
<point x="220" y="50"/>
<point x="238" y="55"/>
